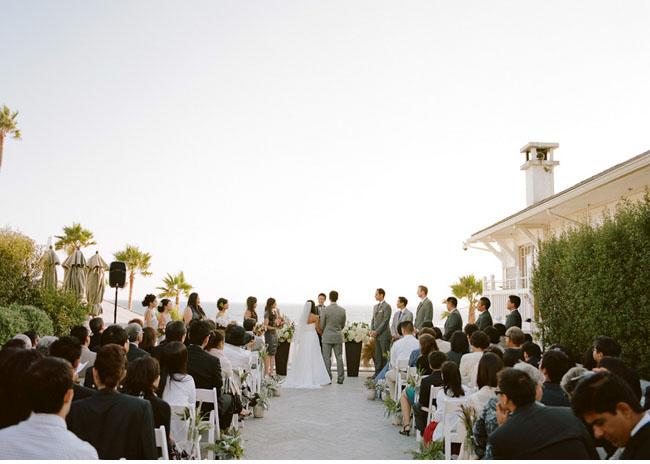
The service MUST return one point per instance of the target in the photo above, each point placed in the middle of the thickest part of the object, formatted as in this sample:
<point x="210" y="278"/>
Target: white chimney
<point x="539" y="165"/>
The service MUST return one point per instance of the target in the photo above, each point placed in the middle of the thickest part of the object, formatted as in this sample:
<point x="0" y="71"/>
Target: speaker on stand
<point x="117" y="280"/>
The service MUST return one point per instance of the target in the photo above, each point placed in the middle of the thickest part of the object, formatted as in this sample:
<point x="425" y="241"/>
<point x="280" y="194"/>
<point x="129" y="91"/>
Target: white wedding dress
<point x="306" y="365"/>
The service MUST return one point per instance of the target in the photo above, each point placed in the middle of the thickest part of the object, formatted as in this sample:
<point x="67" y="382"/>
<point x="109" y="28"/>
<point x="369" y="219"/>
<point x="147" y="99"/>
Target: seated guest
<point x="142" y="380"/>
<point x="134" y="332"/>
<point x="459" y="346"/>
<point x="468" y="363"/>
<point x="452" y="387"/>
<point x="486" y="380"/>
<point x="44" y="344"/>
<point x="69" y="348"/>
<point x="175" y="331"/>
<point x="15" y="343"/>
<point x="529" y="430"/>
<point x="407" y="398"/>
<point x="400" y="351"/>
<point x="33" y="337"/>
<point x="494" y="349"/>
<point x="25" y="339"/>
<point x="493" y="335"/>
<point x="554" y="365"/>
<point x="149" y="340"/>
<point x="571" y="379"/>
<point x="235" y="339"/>
<point x="588" y="361"/>
<point x="215" y="346"/>
<point x="610" y="408"/>
<point x="96" y="325"/>
<point x="48" y="384"/>
<point x="415" y="354"/>
<point x="249" y="327"/>
<point x="469" y="329"/>
<point x="605" y="346"/>
<point x="112" y="335"/>
<point x="14" y="362"/>
<point x="512" y="356"/>
<point x="436" y="360"/>
<point x="176" y="386"/>
<point x="137" y="320"/>
<point x="87" y="356"/>
<point x="515" y="337"/>
<point x="501" y="330"/>
<point x="443" y="345"/>
<point x="532" y="353"/>
<point x="117" y="425"/>
<point x="617" y="366"/>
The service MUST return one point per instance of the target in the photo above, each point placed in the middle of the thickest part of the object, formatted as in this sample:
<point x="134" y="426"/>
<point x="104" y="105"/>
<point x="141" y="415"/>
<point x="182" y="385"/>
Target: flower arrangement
<point x="229" y="446"/>
<point x="358" y="332"/>
<point x="285" y="332"/>
<point x="370" y="383"/>
<point x="259" y="330"/>
<point x="271" y="386"/>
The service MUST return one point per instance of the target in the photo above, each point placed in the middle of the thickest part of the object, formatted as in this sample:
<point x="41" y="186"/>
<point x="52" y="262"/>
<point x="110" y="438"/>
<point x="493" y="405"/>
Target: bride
<point x="306" y="368"/>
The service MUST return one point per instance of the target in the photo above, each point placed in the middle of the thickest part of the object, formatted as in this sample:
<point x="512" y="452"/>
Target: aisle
<point x="335" y="422"/>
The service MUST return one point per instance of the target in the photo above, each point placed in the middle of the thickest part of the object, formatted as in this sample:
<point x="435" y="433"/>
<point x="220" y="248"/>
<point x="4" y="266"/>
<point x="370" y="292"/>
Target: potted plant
<point x="371" y="388"/>
<point x="432" y="450"/>
<point x="285" y="334"/>
<point x="229" y="446"/>
<point x="394" y="410"/>
<point x="354" y="335"/>
<point x="260" y="403"/>
<point x="271" y="386"/>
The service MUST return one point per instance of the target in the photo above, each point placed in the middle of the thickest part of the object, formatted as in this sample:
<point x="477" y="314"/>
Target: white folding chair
<point x="401" y="371"/>
<point x="430" y="409"/>
<point x="205" y="395"/>
<point x="452" y="426"/>
<point x="161" y="442"/>
<point x="182" y="419"/>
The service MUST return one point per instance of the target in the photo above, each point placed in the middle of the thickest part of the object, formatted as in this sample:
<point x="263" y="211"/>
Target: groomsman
<point x="320" y="307"/>
<point x="454" y="321"/>
<point x="514" y="318"/>
<point x="425" y="308"/>
<point x="380" y="329"/>
<point x="485" y="318"/>
<point x="400" y="316"/>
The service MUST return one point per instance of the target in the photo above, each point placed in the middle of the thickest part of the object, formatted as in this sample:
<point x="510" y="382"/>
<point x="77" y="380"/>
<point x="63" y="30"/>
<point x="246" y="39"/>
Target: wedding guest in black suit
<point x="69" y="348"/>
<point x="617" y="366"/>
<point x="532" y="353"/>
<point x="117" y="425"/>
<point x="113" y="334"/>
<point x="529" y="430"/>
<point x="142" y="379"/>
<point x="554" y="365"/>
<point x="135" y="333"/>
<point x="96" y="325"/>
<point x="436" y="360"/>
<point x="174" y="332"/>
<point x="513" y="319"/>
<point x="605" y="346"/>
<point x="14" y="363"/>
<point x="484" y="318"/>
<point x="610" y="408"/>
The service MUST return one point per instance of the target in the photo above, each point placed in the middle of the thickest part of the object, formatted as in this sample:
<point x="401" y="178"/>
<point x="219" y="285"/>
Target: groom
<point x="331" y="324"/>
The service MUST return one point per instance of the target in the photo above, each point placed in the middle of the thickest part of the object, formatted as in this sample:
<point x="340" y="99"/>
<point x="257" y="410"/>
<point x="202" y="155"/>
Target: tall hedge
<point x="19" y="267"/>
<point x="593" y="281"/>
<point x="17" y="319"/>
<point x="63" y="307"/>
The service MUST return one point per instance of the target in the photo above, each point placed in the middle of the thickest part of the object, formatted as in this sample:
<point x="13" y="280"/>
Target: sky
<point x="284" y="148"/>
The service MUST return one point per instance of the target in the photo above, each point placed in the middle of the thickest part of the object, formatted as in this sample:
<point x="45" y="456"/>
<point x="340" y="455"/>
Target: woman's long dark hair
<point x="164" y="302"/>
<point x="148" y="340"/>
<point x="451" y="380"/>
<point x="173" y="363"/>
<point x="269" y="306"/>
<point x="251" y="301"/>
<point x="459" y="342"/>
<point x="313" y="308"/>
<point x="141" y="375"/>
<point x="192" y="303"/>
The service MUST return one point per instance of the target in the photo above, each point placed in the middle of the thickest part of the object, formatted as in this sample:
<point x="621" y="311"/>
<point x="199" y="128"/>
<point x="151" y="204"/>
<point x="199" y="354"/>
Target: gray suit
<point x="400" y="316"/>
<point x="423" y="313"/>
<point x="380" y="324"/>
<point x="332" y="323"/>
<point x="453" y="323"/>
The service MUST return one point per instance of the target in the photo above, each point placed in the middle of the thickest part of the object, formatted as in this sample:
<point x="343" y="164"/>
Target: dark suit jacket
<point x="118" y="426"/>
<point x="513" y="319"/>
<point x="553" y="395"/>
<point x="638" y="447"/>
<point x="81" y="392"/>
<point x="535" y="431"/>
<point x="95" y="342"/>
<point x="484" y="320"/>
<point x="434" y="379"/>
<point x="135" y="352"/>
<point x="453" y="323"/>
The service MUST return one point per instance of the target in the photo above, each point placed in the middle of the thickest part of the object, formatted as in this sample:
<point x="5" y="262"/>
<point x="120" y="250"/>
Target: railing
<point x="499" y="299"/>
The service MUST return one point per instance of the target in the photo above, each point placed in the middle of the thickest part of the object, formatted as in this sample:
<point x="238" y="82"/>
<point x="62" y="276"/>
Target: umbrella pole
<point x="115" y="311"/>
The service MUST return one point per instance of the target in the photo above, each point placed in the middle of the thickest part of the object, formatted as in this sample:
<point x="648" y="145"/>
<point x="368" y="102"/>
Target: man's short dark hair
<point x="512" y="356"/>
<point x="174" y="331"/>
<point x="323" y="295"/>
<point x="381" y="291"/>
<point x="601" y="392"/>
<point x="46" y="383"/>
<point x="607" y="346"/>
<point x="485" y="301"/>
<point x="80" y="333"/>
<point x="453" y="301"/>
<point x="556" y="364"/>
<point x="68" y="348"/>
<point x="426" y="324"/>
<point x="406" y="326"/>
<point x="517" y="386"/>
<point x="469" y="329"/>
<point x="493" y="334"/>
<point x="436" y="359"/>
<point x="199" y="331"/>
<point x="403" y="300"/>
<point x="114" y="334"/>
<point x="438" y="332"/>
<point x="334" y="296"/>
<point x="110" y="364"/>
<point x="515" y="300"/>
<point x="96" y="324"/>
<point x="501" y="329"/>
<point x="531" y="349"/>
<point x="249" y="324"/>
<point x="479" y="340"/>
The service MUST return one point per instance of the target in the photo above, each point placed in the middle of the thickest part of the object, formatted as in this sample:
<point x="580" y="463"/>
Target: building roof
<point x="607" y="176"/>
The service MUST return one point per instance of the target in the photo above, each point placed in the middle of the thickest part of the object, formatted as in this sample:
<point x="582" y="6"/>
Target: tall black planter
<point x="282" y="358"/>
<point x="353" y="358"/>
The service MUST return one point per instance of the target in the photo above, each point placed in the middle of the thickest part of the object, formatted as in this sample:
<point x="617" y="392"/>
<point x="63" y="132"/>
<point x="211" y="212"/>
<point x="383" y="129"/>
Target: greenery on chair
<point x="432" y="450"/>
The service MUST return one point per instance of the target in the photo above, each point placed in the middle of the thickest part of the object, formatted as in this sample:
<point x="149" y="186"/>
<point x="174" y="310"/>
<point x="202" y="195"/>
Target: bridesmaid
<point x="150" y="319"/>
<point x="223" y="318"/>
<point x="251" y="305"/>
<point x="164" y="314"/>
<point x="272" y="320"/>
<point x="194" y="311"/>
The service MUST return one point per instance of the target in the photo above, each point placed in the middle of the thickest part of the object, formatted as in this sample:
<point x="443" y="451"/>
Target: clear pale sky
<point x="282" y="148"/>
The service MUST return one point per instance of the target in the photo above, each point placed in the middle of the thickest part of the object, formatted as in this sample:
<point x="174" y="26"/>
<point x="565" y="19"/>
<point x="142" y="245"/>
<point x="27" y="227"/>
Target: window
<point x="526" y="256"/>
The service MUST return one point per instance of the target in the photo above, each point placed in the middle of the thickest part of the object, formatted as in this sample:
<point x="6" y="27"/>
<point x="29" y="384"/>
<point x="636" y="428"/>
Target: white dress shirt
<point x="469" y="368"/>
<point x="43" y="436"/>
<point x="226" y="367"/>
<point x="238" y="357"/>
<point x="402" y="349"/>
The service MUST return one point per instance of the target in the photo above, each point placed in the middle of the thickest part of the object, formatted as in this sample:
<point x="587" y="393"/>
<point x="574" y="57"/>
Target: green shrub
<point x="19" y="267"/>
<point x="12" y="322"/>
<point x="63" y="307"/>
<point x="593" y="281"/>
<point x="36" y="319"/>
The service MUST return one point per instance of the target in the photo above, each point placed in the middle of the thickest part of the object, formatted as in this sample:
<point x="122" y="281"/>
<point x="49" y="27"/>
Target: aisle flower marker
<point x="354" y="336"/>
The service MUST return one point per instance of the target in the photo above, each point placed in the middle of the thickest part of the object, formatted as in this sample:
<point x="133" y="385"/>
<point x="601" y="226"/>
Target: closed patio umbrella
<point x="50" y="261"/>
<point x="74" y="277"/>
<point x="95" y="283"/>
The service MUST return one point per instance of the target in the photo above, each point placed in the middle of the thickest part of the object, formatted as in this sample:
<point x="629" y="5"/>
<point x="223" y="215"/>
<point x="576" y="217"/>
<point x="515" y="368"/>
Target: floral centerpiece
<point x="358" y="332"/>
<point x="355" y="335"/>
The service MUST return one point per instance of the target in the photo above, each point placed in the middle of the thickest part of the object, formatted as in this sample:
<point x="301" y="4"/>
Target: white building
<point x="513" y="240"/>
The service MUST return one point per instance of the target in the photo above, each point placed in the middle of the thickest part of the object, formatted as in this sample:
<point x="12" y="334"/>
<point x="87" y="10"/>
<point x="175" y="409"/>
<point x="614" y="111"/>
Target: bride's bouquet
<point x="285" y="333"/>
<point x="356" y="332"/>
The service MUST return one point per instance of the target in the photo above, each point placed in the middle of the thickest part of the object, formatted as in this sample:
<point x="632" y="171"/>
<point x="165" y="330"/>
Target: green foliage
<point x="468" y="287"/>
<point x="19" y="267"/>
<point x="74" y="236"/>
<point x="593" y="281"/>
<point x="229" y="446"/>
<point x="393" y="408"/>
<point x="173" y="287"/>
<point x="63" y="307"/>
<point x="17" y="319"/>
<point x="432" y="450"/>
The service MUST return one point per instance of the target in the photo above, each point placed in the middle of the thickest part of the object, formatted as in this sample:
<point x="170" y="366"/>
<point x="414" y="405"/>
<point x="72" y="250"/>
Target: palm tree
<point x="468" y="287"/>
<point x="174" y="285"/>
<point x="136" y="262"/>
<point x="74" y="236"/>
<point x="7" y="127"/>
